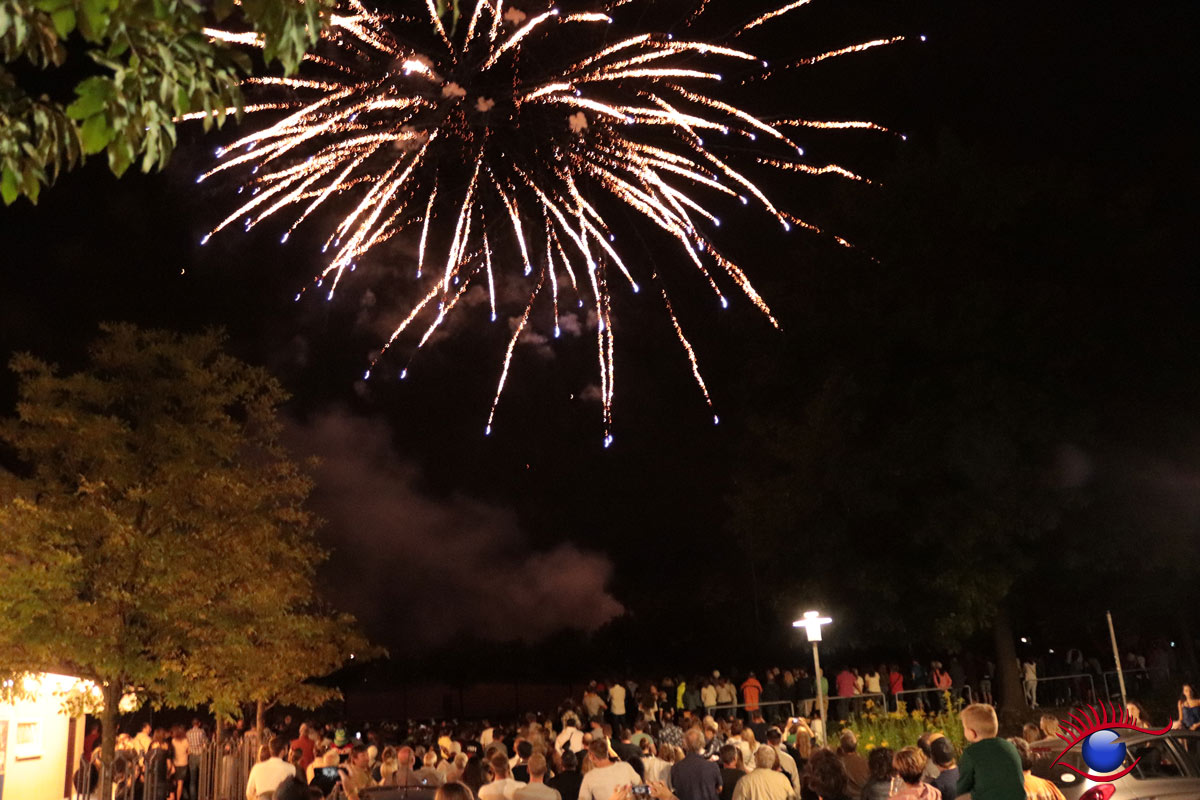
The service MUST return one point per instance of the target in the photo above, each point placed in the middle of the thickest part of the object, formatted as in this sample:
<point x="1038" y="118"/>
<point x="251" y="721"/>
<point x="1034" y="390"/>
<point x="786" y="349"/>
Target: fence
<point x="919" y="695"/>
<point x="735" y="706"/>
<point x="1136" y="680"/>
<point x="212" y="774"/>
<point x="1057" y="698"/>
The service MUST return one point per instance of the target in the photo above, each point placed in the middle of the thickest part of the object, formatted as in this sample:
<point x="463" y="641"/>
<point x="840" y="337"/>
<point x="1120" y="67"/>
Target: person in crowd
<point x="605" y="775"/>
<point x="1035" y="788"/>
<point x="502" y="786"/>
<point x="764" y="782"/>
<point x="356" y="772"/>
<point x="197" y="744"/>
<point x="784" y="759"/>
<point x="654" y="768"/>
<point x="593" y="703"/>
<point x="639" y="734"/>
<point x="179" y="760"/>
<point x="846" y="689"/>
<point x="708" y="697"/>
<point x="616" y="703"/>
<point x="942" y="754"/>
<point x="536" y="788"/>
<point x="857" y="770"/>
<point x="825" y="777"/>
<point x="305" y="744"/>
<point x="1029" y="680"/>
<point x="520" y="764"/>
<point x="428" y="775"/>
<point x="990" y="768"/>
<point x="571" y="737"/>
<point x="1189" y="710"/>
<point x="873" y="683"/>
<point x="741" y="740"/>
<point x="1137" y="715"/>
<point x="568" y="779"/>
<point x="265" y="776"/>
<point x="382" y="772"/>
<point x="630" y="753"/>
<point x="731" y="772"/>
<point x="669" y="732"/>
<point x="923" y="742"/>
<point x="881" y="780"/>
<point x="141" y="742"/>
<point x="474" y="774"/>
<point x="909" y="763"/>
<point x="695" y="777"/>
<point x="713" y="740"/>
<point x="405" y="774"/>
<point x="1030" y="732"/>
<point x="454" y="791"/>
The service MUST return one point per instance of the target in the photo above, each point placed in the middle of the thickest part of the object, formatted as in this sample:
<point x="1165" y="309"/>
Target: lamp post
<point x="812" y="622"/>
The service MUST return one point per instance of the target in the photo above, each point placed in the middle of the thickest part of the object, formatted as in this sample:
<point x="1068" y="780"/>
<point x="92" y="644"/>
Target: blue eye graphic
<point x="1102" y="750"/>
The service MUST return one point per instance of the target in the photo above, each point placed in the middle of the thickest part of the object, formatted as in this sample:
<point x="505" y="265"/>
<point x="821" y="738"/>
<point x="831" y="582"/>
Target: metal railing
<point x="212" y="775"/>
<point x="1108" y="688"/>
<point x="735" y="706"/>
<point x="1077" y="678"/>
<point x="963" y="691"/>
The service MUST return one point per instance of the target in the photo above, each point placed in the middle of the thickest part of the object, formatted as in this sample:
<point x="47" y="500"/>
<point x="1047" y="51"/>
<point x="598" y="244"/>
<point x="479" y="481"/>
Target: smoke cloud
<point x="427" y="569"/>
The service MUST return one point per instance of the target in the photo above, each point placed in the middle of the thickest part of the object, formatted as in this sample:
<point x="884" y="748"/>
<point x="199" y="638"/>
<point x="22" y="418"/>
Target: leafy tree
<point x="155" y="535"/>
<point x="152" y="64"/>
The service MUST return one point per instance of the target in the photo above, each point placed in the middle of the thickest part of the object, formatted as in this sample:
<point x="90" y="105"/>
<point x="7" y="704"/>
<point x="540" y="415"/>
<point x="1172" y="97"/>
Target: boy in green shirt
<point x="990" y="768"/>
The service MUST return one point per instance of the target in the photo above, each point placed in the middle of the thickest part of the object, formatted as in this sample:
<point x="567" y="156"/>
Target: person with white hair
<point x="764" y="782"/>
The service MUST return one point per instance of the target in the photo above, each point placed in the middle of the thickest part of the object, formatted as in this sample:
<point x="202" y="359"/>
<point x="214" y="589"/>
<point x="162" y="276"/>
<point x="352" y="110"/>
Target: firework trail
<point x="506" y="143"/>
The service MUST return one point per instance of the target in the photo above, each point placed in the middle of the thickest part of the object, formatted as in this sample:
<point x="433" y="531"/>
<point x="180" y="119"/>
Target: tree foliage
<point x="155" y="533"/>
<point x="152" y="63"/>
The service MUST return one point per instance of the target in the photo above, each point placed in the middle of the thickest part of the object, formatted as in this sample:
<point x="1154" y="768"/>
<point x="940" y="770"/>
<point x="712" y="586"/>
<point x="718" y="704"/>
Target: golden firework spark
<point x="511" y="141"/>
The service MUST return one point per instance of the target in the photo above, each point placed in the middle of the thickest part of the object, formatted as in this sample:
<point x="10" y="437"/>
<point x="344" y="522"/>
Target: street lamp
<point x="812" y="622"/>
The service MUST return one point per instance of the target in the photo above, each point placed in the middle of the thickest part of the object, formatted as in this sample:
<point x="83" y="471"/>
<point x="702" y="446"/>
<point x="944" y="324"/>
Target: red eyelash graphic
<point x="1086" y="722"/>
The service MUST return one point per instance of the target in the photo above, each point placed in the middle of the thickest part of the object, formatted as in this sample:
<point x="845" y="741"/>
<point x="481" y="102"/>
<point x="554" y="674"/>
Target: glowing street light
<point x="812" y="622"/>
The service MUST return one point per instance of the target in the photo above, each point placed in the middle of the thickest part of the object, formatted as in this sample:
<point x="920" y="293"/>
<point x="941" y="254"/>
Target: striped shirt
<point x="197" y="739"/>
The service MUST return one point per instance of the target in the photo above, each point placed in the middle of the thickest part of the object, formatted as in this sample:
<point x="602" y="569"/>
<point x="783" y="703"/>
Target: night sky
<point x="440" y="532"/>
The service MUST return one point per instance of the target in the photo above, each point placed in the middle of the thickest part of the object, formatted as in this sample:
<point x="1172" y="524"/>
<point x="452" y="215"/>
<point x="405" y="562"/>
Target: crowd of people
<point x="644" y="730"/>
<point x="675" y="756"/>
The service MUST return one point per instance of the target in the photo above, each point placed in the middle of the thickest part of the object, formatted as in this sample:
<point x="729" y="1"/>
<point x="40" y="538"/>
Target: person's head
<point x="1024" y="751"/>
<point x="295" y="756"/>
<point x="537" y="766"/>
<point x="431" y="759"/>
<point x="1136" y="711"/>
<point x="1187" y="692"/>
<point x="570" y="762"/>
<point x="598" y="750"/>
<point x="178" y="732"/>
<point x="1049" y="726"/>
<point x="941" y="752"/>
<point x="498" y="764"/>
<point x="454" y="791"/>
<point x="146" y="728"/>
<point x="826" y="775"/>
<point x="524" y="750"/>
<point x="765" y="758"/>
<point x="729" y="755"/>
<point x="404" y="756"/>
<point x="1031" y="732"/>
<point x="278" y="746"/>
<point x="646" y="746"/>
<point x="774" y="736"/>
<point x="879" y="764"/>
<point x="359" y="757"/>
<point x="388" y="754"/>
<point x="736" y="727"/>
<point x="909" y="763"/>
<point x="979" y="722"/>
<point x="264" y="752"/>
<point x="693" y="740"/>
<point x="847" y="741"/>
<point x="195" y="722"/>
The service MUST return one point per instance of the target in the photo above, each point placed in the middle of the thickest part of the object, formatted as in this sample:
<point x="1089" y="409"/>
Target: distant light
<point x="724" y="302"/>
<point x="1172" y="644"/>
<point x="352" y="656"/>
<point x="404" y="373"/>
<point x="366" y="376"/>
<point x="1024" y="640"/>
<point x="716" y="420"/>
<point x="923" y="37"/>
<point x="1052" y="651"/>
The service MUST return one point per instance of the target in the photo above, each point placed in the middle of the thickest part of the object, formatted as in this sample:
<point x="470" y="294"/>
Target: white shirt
<point x="265" y="776"/>
<point x="789" y="766"/>
<point x="657" y="770"/>
<point x="708" y="696"/>
<point x="601" y="782"/>
<point x="616" y="699"/>
<point x="504" y="788"/>
<point x="872" y="679"/>
<point x="572" y="735"/>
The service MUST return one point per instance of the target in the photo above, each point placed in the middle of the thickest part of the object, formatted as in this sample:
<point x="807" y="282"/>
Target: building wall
<point x="38" y="772"/>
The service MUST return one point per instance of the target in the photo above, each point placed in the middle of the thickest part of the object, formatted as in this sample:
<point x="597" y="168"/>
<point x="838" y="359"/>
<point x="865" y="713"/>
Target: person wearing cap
<point x="941" y="752"/>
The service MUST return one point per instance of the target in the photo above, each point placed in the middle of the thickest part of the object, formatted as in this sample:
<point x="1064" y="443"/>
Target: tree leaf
<point x="95" y="134"/>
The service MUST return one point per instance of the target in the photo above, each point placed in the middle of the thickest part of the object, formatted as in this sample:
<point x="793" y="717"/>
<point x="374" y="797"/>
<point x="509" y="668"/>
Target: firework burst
<point x="504" y="144"/>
